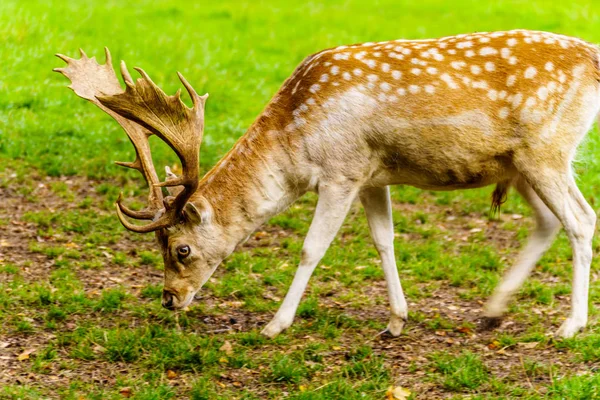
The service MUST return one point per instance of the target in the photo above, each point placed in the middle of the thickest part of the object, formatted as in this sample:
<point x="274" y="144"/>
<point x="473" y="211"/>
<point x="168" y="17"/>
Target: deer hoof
<point x="274" y="328"/>
<point x="570" y="328"/>
<point x="395" y="326"/>
<point x="489" y="323"/>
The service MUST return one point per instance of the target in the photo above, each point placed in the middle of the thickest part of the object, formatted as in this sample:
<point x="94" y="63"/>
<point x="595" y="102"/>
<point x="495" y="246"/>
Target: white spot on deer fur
<point x="429" y="89"/>
<point x="516" y="100"/>
<point x="488" y="51"/>
<point x="396" y="74"/>
<point x="457" y="64"/>
<point x="512" y="60"/>
<point x="530" y="72"/>
<point x="431" y="70"/>
<point x="406" y="51"/>
<point x="502" y="94"/>
<point x="341" y="56"/>
<point x="438" y="57"/>
<point x="324" y="78"/>
<point x="504" y="52"/>
<point x="490" y="66"/>
<point x="335" y="83"/>
<point x="503" y="113"/>
<point x="552" y="86"/>
<point x="357" y="71"/>
<point x="314" y="88"/>
<point x="542" y="92"/>
<point x="469" y="53"/>
<point x="377" y="54"/>
<point x="549" y="66"/>
<point x="475" y="69"/>
<point x="415" y="71"/>
<point x="372" y="78"/>
<point x="511" y="42"/>
<point x="385" y="86"/>
<point x="385" y="67"/>
<point x="484" y="39"/>
<point x="310" y="101"/>
<point x="530" y="102"/>
<point x="347" y="76"/>
<point x="549" y="40"/>
<point x="451" y="51"/>
<point x="381" y="97"/>
<point x="464" y="45"/>
<point x="341" y="47"/>
<point x="511" y="80"/>
<point x="562" y="78"/>
<point x="493" y="94"/>
<point x="392" y="98"/>
<point x="443" y="45"/>
<point x="335" y="70"/>
<point x="536" y="38"/>
<point x="414" y="89"/>
<point x="480" y="85"/>
<point x="371" y="63"/>
<point x="360" y="55"/>
<point x="401" y="91"/>
<point x="528" y="40"/>
<point x="449" y="81"/>
<point x="414" y="60"/>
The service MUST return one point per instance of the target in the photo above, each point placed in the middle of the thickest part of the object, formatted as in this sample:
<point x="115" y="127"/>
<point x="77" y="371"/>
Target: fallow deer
<point x="467" y="111"/>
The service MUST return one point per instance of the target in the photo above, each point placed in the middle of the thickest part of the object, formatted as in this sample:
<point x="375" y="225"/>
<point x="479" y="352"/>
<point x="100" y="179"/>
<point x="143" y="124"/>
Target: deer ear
<point x="197" y="215"/>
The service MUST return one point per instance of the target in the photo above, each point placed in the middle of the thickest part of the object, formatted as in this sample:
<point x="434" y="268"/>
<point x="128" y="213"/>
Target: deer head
<point x="192" y="245"/>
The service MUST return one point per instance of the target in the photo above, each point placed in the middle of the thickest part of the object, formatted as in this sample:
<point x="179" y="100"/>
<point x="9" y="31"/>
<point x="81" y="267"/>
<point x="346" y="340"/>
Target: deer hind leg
<point x="332" y="207"/>
<point x="559" y="192"/>
<point x="377" y="204"/>
<point x="547" y="226"/>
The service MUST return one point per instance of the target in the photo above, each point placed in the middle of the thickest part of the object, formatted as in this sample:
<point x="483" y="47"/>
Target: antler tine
<point x="196" y="100"/>
<point x="125" y="74"/>
<point x="153" y="226"/>
<point x="89" y="79"/>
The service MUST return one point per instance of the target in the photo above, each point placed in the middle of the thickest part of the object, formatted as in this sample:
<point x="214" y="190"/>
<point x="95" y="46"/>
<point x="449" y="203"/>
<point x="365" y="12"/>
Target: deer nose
<point x="167" y="300"/>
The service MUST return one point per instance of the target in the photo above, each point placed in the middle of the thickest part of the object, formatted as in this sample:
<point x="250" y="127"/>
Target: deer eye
<point x="183" y="251"/>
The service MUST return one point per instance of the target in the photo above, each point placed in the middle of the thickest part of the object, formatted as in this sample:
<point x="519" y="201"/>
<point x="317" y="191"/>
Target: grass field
<point x="80" y="314"/>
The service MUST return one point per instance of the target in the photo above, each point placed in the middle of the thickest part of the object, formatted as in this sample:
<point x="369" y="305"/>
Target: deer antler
<point x="143" y="109"/>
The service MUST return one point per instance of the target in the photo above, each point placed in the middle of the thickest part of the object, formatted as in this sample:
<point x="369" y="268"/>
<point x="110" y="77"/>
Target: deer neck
<point x="254" y="181"/>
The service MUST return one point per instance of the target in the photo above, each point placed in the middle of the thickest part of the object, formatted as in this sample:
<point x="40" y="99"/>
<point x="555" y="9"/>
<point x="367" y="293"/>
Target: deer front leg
<point x="377" y="204"/>
<point x="332" y="207"/>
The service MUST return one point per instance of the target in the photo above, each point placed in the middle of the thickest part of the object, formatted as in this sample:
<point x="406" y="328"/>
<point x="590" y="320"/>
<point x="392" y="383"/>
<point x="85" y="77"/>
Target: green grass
<point x="85" y="294"/>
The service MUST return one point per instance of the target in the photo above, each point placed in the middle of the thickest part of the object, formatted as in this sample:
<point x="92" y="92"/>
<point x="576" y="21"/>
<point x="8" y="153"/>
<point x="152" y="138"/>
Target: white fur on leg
<point x="580" y="224"/>
<point x="332" y="207"/>
<point x="547" y="226"/>
<point x="377" y="204"/>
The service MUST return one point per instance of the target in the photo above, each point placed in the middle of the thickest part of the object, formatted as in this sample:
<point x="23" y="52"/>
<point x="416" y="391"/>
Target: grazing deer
<point x="504" y="108"/>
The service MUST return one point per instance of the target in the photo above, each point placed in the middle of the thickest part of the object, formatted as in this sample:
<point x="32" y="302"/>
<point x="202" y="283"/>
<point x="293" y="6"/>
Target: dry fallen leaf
<point x="25" y="355"/>
<point x="528" y="345"/>
<point x="126" y="391"/>
<point x="227" y="348"/>
<point x="397" y="393"/>
<point x="171" y="374"/>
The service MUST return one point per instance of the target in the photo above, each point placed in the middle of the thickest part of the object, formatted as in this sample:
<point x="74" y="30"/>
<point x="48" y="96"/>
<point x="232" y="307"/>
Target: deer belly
<point x="443" y="170"/>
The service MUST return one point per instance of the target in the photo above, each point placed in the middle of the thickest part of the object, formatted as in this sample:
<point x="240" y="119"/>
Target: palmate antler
<point x="143" y="109"/>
